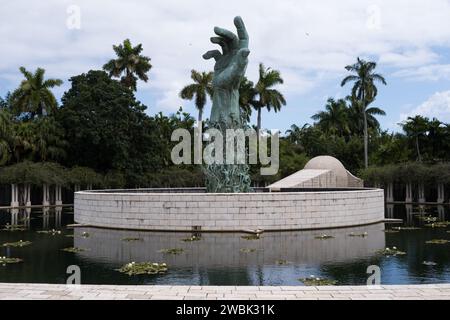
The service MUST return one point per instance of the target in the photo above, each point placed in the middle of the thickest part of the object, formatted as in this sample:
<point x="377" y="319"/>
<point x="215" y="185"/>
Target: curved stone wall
<point x="187" y="211"/>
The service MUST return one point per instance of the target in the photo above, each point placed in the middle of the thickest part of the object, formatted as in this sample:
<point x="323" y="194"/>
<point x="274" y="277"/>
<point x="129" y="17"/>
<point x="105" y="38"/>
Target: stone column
<point x="45" y="195"/>
<point x="14" y="195"/>
<point x="409" y="194"/>
<point x="421" y="193"/>
<point x="76" y="188"/>
<point x="58" y="196"/>
<point x="441" y="193"/>
<point x="390" y="192"/>
<point x="89" y="186"/>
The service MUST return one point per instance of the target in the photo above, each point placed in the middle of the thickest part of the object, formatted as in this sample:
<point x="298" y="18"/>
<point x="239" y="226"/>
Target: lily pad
<point x="192" y="238"/>
<point x="70" y="235"/>
<point x="172" y="251"/>
<point x="428" y="218"/>
<point x="429" y="263"/>
<point x="324" y="237"/>
<point x="4" y="260"/>
<point x="73" y="249"/>
<point x="19" y="244"/>
<point x="85" y="235"/>
<point x="405" y="228"/>
<point x="151" y="268"/>
<point x="255" y="236"/>
<point x="247" y="250"/>
<point x="362" y="235"/>
<point x="131" y="239"/>
<point x="316" y="281"/>
<point x="440" y="224"/>
<point x="14" y="227"/>
<point x="282" y="262"/>
<point x="391" y="252"/>
<point x="391" y="231"/>
<point x="437" y="241"/>
<point x="52" y="232"/>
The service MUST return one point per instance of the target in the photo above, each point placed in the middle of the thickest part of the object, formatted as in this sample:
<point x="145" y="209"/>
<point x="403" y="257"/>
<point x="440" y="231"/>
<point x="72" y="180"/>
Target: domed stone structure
<point x="320" y="172"/>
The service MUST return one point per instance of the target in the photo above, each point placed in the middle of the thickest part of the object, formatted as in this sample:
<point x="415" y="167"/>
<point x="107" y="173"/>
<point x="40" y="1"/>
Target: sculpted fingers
<point x="221" y="41"/>
<point x="241" y="31"/>
<point x="229" y="36"/>
<point x="212" y="54"/>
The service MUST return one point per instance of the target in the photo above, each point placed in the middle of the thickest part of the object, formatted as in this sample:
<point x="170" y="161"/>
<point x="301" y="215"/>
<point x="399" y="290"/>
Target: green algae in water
<point x="324" y="237"/>
<point x="17" y="244"/>
<point x="437" y="241"/>
<point x="391" y="231"/>
<point x="391" y="252"/>
<point x="52" y="232"/>
<point x="172" y="251"/>
<point x="247" y="250"/>
<point x="191" y="239"/>
<point x="441" y="224"/>
<point x="405" y="228"/>
<point x="140" y="268"/>
<point x="14" y="227"/>
<point x="4" y="261"/>
<point x="130" y="239"/>
<point x="361" y="235"/>
<point x="73" y="249"/>
<point x="316" y="281"/>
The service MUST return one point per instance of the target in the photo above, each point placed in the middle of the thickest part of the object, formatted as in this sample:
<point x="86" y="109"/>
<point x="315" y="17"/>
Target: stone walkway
<point x="113" y="292"/>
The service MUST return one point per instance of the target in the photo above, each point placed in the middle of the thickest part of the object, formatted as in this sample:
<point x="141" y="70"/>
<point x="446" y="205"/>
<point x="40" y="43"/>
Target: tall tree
<point x="416" y="127"/>
<point x="247" y="96"/>
<point x="5" y="135"/>
<point x="364" y="90"/>
<point x="34" y="97"/>
<point x="268" y="97"/>
<point x="334" y="120"/>
<point x="356" y="116"/>
<point x="129" y="65"/>
<point x="201" y="88"/>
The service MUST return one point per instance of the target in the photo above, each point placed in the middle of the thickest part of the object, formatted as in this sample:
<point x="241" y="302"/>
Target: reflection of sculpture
<point x="229" y="69"/>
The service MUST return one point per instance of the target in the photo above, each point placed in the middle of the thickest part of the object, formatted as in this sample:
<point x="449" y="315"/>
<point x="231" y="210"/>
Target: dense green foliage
<point x="101" y="135"/>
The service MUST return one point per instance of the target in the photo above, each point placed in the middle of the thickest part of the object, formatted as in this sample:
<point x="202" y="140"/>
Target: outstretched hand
<point x="232" y="61"/>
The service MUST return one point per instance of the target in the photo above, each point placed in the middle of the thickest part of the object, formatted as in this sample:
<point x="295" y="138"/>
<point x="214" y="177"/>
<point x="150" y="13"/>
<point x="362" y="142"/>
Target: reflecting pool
<point x="275" y="258"/>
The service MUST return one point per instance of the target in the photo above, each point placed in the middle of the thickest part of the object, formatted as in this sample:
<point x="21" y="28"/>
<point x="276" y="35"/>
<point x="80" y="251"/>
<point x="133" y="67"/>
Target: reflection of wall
<point x="229" y="212"/>
<point x="223" y="249"/>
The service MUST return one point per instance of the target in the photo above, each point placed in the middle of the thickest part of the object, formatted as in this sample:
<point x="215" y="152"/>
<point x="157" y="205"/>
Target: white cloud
<point x="310" y="41"/>
<point x="436" y="106"/>
<point x="433" y="72"/>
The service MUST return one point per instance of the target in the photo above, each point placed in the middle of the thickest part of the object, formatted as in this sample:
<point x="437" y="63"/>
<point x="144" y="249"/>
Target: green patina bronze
<point x="229" y="69"/>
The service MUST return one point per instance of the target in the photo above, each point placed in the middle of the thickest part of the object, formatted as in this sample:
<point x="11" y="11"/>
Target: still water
<point x="277" y="258"/>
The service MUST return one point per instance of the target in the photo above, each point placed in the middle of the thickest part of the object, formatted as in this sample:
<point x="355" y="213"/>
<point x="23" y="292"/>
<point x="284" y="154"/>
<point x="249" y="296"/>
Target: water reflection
<point x="224" y="249"/>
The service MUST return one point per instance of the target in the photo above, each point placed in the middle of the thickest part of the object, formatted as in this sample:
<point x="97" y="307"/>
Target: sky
<point x="309" y="41"/>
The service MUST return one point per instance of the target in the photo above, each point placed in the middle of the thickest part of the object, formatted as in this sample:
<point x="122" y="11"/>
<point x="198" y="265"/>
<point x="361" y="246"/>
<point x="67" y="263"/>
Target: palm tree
<point x="34" y="95"/>
<point x="334" y="119"/>
<point x="364" y="90"/>
<point x="5" y="131"/>
<point x="247" y="95"/>
<point x="268" y="97"/>
<point x="129" y="63"/>
<point x="415" y="127"/>
<point x="200" y="89"/>
<point x="356" y="116"/>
